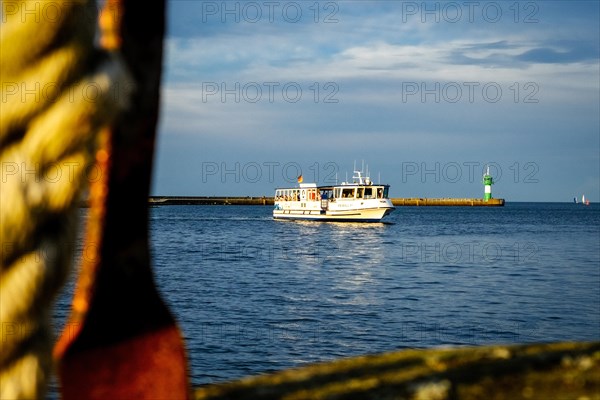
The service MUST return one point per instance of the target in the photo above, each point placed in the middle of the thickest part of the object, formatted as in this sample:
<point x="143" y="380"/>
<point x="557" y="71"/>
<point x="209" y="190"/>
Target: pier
<point x="210" y="201"/>
<point x="421" y="202"/>
<point x="265" y="201"/>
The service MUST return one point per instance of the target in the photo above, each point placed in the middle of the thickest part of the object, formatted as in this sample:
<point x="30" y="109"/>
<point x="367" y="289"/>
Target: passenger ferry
<point x="358" y="201"/>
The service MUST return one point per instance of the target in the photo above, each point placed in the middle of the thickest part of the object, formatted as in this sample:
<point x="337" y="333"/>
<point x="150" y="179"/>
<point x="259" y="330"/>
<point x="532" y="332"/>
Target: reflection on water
<point x="334" y="242"/>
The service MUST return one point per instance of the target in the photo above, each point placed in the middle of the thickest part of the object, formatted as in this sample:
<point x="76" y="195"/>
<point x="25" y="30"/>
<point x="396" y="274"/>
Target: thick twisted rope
<point x="58" y="92"/>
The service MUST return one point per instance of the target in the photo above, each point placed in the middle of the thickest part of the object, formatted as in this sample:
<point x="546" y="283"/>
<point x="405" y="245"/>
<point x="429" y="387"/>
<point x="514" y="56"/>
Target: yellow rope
<point x="58" y="90"/>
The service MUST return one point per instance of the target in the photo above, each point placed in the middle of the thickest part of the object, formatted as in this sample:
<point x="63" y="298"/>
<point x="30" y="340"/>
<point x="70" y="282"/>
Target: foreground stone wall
<point x="536" y="371"/>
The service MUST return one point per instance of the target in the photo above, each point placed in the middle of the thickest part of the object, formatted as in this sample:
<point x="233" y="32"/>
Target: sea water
<point x="253" y="295"/>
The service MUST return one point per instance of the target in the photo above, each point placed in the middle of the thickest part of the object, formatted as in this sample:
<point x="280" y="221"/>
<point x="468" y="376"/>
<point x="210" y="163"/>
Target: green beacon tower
<point x="488" y="181"/>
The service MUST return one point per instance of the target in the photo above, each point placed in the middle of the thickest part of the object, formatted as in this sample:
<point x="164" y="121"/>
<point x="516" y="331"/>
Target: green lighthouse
<point x="488" y="181"/>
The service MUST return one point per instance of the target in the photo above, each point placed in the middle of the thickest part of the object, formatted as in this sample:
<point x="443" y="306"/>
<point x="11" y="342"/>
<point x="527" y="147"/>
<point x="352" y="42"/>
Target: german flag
<point x="300" y="179"/>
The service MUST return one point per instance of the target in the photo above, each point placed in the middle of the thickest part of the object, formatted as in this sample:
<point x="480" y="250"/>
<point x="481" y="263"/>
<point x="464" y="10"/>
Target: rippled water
<point x="254" y="295"/>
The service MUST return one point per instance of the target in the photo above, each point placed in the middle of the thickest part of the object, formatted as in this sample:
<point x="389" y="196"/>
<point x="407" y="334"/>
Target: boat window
<point x="368" y="193"/>
<point x="337" y="193"/>
<point x="359" y="193"/>
<point x="348" y="193"/>
<point x="385" y="192"/>
<point x="379" y="193"/>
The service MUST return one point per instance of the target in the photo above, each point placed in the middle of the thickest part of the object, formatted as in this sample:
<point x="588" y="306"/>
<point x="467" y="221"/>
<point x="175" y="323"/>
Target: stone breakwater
<point x="263" y="201"/>
<point x="448" y="202"/>
<point x="214" y="200"/>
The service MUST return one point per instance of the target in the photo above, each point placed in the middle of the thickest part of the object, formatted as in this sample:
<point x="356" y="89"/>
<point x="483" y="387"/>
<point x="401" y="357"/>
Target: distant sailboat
<point x="584" y="201"/>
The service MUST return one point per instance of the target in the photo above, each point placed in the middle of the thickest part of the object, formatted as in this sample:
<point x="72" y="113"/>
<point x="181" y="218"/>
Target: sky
<point x="423" y="95"/>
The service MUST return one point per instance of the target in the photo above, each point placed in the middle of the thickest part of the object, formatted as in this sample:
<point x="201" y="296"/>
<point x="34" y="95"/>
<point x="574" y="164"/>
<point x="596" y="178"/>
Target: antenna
<point x="487" y="172"/>
<point x="379" y="178"/>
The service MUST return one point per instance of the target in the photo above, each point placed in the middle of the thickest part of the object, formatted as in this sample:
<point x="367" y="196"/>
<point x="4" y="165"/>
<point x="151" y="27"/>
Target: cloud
<point x="574" y="53"/>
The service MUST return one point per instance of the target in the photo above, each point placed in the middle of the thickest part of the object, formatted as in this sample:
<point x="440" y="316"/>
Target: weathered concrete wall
<point x="536" y="371"/>
<point x="183" y="200"/>
<point x="249" y="201"/>
<point x="448" y="202"/>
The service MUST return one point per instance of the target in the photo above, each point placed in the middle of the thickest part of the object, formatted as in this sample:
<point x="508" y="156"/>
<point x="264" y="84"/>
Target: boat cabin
<point x="360" y="192"/>
<point x="310" y="192"/>
<point x="306" y="192"/>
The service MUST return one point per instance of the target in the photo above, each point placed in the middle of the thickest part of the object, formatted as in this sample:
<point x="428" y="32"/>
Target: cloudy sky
<point x="423" y="94"/>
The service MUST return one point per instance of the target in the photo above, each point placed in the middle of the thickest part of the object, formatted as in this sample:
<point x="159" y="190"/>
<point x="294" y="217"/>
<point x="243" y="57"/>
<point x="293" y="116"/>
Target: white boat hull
<point x="372" y="215"/>
<point x="336" y="212"/>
